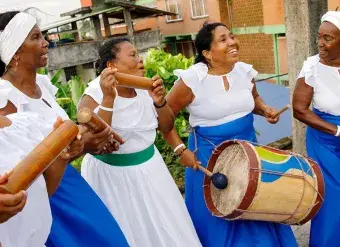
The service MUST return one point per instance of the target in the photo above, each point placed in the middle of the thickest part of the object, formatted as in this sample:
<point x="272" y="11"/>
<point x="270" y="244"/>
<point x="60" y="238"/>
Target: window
<point x="174" y="7"/>
<point x="198" y="8"/>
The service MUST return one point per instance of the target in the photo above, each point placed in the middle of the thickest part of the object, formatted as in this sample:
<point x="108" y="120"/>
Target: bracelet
<point x="182" y="151"/>
<point x="179" y="146"/>
<point x="105" y="108"/>
<point x="338" y="131"/>
<point x="160" y="106"/>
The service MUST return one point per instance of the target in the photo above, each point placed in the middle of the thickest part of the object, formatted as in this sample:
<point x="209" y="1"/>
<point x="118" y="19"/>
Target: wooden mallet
<point x="219" y="180"/>
<point x="282" y="110"/>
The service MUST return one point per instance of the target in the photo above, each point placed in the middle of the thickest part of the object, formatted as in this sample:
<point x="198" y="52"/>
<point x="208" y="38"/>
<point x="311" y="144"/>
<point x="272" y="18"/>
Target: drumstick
<point x="282" y="110"/>
<point x="219" y="180"/>
<point x="40" y="158"/>
<point x="94" y="123"/>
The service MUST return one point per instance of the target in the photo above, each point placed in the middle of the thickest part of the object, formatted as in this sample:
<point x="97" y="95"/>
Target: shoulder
<point x="94" y="91"/>
<point x="310" y="70"/>
<point x="244" y="71"/>
<point x="244" y="67"/>
<point x="44" y="82"/>
<point x="9" y="93"/>
<point x="193" y="74"/>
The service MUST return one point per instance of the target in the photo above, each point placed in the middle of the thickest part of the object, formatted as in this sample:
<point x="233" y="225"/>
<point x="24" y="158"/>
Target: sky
<point x="53" y="8"/>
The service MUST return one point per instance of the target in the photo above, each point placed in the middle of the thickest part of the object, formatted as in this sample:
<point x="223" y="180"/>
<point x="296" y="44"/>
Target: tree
<point x="302" y="23"/>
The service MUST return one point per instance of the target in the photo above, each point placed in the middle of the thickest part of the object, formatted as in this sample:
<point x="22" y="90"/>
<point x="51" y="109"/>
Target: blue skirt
<point x="216" y="232"/>
<point x="80" y="218"/>
<point x="325" y="149"/>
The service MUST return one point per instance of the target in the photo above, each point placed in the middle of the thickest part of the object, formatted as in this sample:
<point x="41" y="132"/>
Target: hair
<point x="5" y="18"/>
<point x="108" y="51"/>
<point x="204" y="39"/>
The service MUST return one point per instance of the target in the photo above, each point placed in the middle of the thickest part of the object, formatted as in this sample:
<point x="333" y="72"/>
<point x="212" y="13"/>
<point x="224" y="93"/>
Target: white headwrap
<point x="332" y="17"/>
<point x="14" y="35"/>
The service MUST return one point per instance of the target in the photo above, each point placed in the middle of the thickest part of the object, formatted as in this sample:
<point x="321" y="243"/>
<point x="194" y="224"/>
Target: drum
<point x="264" y="184"/>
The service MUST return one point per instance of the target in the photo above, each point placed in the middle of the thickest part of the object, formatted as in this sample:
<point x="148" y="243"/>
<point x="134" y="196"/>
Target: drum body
<point x="264" y="184"/>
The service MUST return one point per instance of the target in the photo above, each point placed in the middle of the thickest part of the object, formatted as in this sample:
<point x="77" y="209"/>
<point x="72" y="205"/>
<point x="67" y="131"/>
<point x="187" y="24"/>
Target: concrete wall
<point x="72" y="54"/>
<point x="86" y="74"/>
<point x="80" y="53"/>
<point x="188" y="25"/>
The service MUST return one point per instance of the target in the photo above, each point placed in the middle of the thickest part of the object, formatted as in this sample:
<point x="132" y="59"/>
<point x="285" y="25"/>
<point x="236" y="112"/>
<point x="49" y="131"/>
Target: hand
<point x="76" y="147"/>
<point x="101" y="142"/>
<point x="158" y="92"/>
<point x="270" y="114"/>
<point x="188" y="159"/>
<point x="10" y="205"/>
<point x="108" y="82"/>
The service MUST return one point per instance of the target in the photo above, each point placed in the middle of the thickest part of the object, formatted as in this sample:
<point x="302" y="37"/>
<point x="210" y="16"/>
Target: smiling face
<point x="127" y="60"/>
<point x="33" y="52"/>
<point x="329" y="41"/>
<point x="224" y="47"/>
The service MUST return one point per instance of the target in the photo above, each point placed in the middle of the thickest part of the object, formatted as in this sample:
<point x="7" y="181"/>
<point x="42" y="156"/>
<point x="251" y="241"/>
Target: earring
<point x="16" y="65"/>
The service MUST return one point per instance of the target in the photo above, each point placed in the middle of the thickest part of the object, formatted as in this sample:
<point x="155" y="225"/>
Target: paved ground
<point x="302" y="234"/>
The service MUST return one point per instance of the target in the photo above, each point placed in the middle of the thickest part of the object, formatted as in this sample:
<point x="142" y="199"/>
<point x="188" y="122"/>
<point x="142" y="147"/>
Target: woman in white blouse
<point x="319" y="84"/>
<point x="134" y="181"/>
<point x="220" y="94"/>
<point x="20" y="133"/>
<point x="80" y="218"/>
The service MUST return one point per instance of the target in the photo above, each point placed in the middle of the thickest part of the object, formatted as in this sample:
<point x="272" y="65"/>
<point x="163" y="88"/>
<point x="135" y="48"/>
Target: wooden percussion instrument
<point x="132" y="81"/>
<point x="40" y="158"/>
<point x="264" y="184"/>
<point x="91" y="120"/>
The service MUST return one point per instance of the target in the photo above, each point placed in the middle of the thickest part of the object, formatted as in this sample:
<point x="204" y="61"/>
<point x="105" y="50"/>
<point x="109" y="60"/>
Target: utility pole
<point x="303" y="18"/>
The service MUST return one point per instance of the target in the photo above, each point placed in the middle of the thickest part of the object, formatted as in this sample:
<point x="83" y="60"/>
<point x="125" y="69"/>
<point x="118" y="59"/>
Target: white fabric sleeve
<point x="307" y="73"/>
<point x="4" y="93"/>
<point x="189" y="77"/>
<point x="9" y="93"/>
<point x="45" y="81"/>
<point x="94" y="91"/>
<point x="247" y="70"/>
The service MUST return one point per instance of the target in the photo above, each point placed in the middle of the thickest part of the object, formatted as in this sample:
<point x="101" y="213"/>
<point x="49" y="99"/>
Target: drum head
<point x="233" y="160"/>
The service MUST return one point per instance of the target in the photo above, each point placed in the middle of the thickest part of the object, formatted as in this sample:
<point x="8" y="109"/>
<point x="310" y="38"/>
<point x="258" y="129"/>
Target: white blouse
<point x="325" y="81"/>
<point x="135" y="119"/>
<point x="23" y="103"/>
<point x="213" y="105"/>
<point x="30" y="227"/>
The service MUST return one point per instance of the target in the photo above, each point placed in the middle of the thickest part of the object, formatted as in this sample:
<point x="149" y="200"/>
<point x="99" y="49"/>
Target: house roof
<point x="116" y="11"/>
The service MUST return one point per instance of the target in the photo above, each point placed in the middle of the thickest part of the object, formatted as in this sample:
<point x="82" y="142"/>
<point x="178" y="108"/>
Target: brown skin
<point x="10" y="205"/>
<point x="128" y="62"/>
<point x="329" y="52"/>
<point x="21" y="72"/>
<point x="221" y="59"/>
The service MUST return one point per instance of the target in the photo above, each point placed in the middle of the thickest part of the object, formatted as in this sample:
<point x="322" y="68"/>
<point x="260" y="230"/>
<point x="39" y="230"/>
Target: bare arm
<point x="8" y="109"/>
<point x="302" y="99"/>
<point x="54" y="174"/>
<point x="165" y="115"/>
<point x="262" y="109"/>
<point x="179" y="97"/>
<point x="259" y="104"/>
